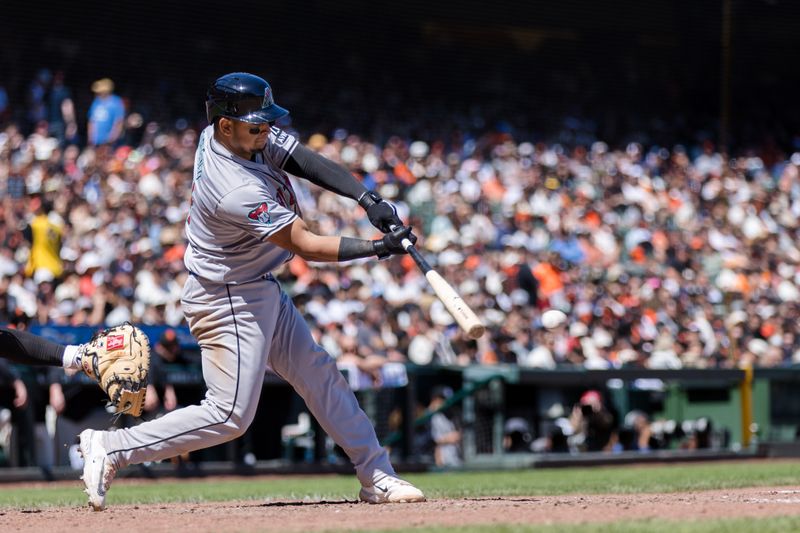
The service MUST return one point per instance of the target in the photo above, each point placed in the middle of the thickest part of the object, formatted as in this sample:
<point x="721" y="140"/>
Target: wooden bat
<point x="465" y="317"/>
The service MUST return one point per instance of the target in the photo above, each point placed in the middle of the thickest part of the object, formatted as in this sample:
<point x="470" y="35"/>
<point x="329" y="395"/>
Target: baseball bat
<point x="465" y="316"/>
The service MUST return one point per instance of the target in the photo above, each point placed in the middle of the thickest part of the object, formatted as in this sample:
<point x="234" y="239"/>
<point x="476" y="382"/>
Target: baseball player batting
<point x="244" y="221"/>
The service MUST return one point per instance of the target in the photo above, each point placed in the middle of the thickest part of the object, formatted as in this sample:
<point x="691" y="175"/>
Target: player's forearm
<point x="317" y="169"/>
<point x="330" y="249"/>
<point x="300" y="240"/>
<point x="319" y="248"/>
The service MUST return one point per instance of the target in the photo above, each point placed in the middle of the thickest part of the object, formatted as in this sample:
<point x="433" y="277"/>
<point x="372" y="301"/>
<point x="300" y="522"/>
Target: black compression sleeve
<point x="350" y="248"/>
<point x="28" y="349"/>
<point x="317" y="169"/>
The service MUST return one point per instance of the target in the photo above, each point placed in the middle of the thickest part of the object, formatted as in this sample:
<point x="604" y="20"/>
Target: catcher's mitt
<point x="118" y="359"/>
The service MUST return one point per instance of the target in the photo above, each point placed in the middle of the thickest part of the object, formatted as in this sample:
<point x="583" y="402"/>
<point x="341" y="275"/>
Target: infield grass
<point x="595" y="480"/>
<point x="761" y="525"/>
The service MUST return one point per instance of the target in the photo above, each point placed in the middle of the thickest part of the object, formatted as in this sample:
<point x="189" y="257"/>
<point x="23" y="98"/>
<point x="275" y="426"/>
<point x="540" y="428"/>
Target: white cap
<point x="450" y="257"/>
<point x="578" y="329"/>
<point x="42" y="275"/>
<point x="88" y="261"/>
<point x="757" y="346"/>
<point x="420" y="350"/>
<point x="418" y="149"/>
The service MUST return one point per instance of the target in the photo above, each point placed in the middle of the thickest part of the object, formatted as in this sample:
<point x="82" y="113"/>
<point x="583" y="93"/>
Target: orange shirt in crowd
<point x="549" y="279"/>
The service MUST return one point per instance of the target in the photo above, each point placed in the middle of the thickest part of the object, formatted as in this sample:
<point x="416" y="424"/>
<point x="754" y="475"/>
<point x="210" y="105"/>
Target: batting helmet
<point x="244" y="97"/>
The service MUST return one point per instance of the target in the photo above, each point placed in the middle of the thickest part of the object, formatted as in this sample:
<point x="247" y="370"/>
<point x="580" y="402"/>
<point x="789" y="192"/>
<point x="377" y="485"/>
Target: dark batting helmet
<point x="244" y="97"/>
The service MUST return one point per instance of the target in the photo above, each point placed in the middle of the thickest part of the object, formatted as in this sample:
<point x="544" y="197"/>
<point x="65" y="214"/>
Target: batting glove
<point x="381" y="213"/>
<point x="392" y="243"/>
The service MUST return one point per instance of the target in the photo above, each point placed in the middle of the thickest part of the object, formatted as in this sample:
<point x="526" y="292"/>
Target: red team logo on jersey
<point x="260" y="213"/>
<point x="115" y="342"/>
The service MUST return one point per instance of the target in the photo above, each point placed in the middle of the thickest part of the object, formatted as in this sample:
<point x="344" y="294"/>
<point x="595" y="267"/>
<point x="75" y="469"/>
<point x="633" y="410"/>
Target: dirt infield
<point x="345" y="515"/>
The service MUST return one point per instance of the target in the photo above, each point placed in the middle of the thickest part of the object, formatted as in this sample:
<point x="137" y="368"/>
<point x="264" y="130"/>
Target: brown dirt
<point x="294" y="516"/>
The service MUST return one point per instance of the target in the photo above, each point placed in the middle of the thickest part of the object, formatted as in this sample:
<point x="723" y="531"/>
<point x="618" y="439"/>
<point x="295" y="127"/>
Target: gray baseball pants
<point x="242" y="329"/>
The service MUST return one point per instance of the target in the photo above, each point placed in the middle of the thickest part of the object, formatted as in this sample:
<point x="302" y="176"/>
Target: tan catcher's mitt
<point x="118" y="359"/>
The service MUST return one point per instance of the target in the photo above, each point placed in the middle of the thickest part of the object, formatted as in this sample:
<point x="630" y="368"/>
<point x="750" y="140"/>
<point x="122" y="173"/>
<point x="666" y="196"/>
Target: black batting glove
<point x="381" y="213"/>
<point x="392" y="242"/>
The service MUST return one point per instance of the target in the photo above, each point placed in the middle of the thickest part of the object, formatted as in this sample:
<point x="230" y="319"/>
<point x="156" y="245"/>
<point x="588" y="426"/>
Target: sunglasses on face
<point x="255" y="129"/>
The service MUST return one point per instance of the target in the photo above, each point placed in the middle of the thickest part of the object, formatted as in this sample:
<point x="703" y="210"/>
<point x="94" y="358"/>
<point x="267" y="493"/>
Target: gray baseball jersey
<point x="236" y="205"/>
<point x="243" y="321"/>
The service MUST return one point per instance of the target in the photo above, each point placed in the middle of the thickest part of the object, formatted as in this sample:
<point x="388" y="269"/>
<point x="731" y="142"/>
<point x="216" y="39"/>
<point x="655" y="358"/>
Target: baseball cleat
<point x="390" y="489"/>
<point x="98" y="470"/>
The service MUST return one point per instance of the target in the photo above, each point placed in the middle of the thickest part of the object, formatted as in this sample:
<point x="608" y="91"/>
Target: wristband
<point x="350" y="248"/>
<point x="380" y="249"/>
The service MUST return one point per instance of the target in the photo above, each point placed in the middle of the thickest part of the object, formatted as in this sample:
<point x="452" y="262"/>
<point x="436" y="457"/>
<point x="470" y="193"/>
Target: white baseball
<point x="552" y="318"/>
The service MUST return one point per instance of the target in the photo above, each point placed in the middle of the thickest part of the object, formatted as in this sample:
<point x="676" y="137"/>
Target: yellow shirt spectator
<point x="45" y="237"/>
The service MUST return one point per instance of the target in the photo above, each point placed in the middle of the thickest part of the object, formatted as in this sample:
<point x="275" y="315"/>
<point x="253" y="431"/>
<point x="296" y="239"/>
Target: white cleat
<point x="98" y="470"/>
<point x="390" y="489"/>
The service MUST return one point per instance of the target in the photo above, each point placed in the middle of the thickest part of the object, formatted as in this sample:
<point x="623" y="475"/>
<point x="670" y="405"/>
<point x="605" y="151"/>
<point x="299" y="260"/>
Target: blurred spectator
<point x="363" y="365"/>
<point x="61" y="112"/>
<point x="10" y="377"/>
<point x="5" y="109"/>
<point x="594" y="427"/>
<point x="106" y="114"/>
<point x="555" y="431"/>
<point x="44" y="233"/>
<point x="372" y="335"/>
<point x="698" y="434"/>
<point x="517" y="436"/>
<point x="16" y="420"/>
<point x="444" y="432"/>
<point x="636" y="433"/>
<point x="37" y="96"/>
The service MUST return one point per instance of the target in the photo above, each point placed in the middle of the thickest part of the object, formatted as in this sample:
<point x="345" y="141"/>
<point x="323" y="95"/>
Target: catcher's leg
<point x="233" y="325"/>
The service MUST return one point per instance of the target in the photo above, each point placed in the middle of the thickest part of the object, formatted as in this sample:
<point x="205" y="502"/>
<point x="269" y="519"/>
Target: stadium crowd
<point x="661" y="256"/>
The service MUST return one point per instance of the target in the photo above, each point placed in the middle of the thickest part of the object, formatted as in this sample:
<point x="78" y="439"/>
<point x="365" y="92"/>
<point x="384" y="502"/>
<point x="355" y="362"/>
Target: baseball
<point x="553" y="318"/>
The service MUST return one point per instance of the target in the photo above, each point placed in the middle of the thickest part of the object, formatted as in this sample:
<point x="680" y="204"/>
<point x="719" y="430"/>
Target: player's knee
<point x="232" y="422"/>
<point x="233" y="431"/>
<point x="237" y="425"/>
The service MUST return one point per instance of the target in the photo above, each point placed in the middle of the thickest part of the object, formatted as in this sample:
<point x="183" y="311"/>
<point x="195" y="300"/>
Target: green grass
<point x="780" y="524"/>
<point x="670" y="478"/>
<point x="600" y="480"/>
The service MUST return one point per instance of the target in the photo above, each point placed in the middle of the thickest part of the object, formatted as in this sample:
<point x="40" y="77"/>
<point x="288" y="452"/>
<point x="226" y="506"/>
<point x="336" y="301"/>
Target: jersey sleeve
<point x="255" y="211"/>
<point x="280" y="146"/>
